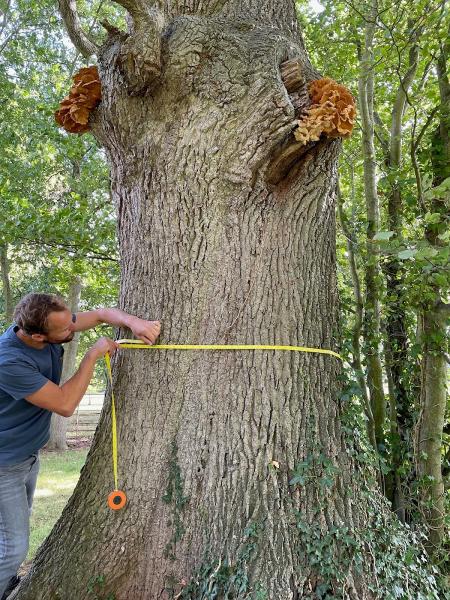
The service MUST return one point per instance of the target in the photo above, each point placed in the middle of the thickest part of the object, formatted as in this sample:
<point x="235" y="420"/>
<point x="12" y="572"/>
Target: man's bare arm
<point x="147" y="331"/>
<point x="64" y="399"/>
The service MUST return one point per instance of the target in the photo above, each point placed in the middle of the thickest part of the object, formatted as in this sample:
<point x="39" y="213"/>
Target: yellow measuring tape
<point x="117" y="498"/>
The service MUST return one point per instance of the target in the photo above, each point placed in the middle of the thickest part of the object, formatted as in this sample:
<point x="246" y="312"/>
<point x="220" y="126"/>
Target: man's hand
<point x="147" y="331"/>
<point x="102" y="346"/>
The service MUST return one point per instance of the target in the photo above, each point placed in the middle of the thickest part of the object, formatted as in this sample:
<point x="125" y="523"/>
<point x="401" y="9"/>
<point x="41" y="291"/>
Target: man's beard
<point x="66" y="340"/>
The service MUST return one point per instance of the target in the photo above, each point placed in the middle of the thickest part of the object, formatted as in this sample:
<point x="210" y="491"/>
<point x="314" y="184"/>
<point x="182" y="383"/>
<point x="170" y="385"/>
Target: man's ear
<point x="38" y="337"/>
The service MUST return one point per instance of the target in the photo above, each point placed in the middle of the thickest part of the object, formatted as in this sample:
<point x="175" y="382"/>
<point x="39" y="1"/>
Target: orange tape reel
<point x="117" y="500"/>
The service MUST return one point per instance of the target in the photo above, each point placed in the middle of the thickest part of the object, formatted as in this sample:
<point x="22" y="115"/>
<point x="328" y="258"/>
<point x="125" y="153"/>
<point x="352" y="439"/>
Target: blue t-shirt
<point x="24" y="427"/>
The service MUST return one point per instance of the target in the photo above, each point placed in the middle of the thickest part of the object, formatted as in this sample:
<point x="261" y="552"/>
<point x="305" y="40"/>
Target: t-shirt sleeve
<point x="20" y="379"/>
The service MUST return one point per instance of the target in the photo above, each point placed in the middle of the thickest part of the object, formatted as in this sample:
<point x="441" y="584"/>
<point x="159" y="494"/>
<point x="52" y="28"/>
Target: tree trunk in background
<point x="396" y="341"/>
<point x="6" y="286"/>
<point x="435" y="319"/>
<point x="58" y="427"/>
<point x="433" y="401"/>
<point x="228" y="237"/>
<point x="357" y="327"/>
<point x="371" y="325"/>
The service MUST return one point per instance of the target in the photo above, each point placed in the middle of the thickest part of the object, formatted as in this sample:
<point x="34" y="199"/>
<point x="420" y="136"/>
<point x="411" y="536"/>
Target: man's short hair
<point x="32" y="312"/>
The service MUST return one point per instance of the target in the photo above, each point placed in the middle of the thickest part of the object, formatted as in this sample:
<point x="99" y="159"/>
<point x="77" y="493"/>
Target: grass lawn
<point x="58" y="476"/>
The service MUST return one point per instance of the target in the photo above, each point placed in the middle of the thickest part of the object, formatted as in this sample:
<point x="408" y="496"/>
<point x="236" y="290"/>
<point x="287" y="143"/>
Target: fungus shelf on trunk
<point x="324" y="108"/>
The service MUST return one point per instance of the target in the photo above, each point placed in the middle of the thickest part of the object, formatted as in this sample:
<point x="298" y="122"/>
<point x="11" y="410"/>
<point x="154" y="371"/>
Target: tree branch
<point x="111" y="29"/>
<point x="138" y="9"/>
<point x="430" y="118"/>
<point x="443" y="309"/>
<point x="140" y="54"/>
<point x="381" y="132"/>
<point x="75" y="248"/>
<point x="68" y="10"/>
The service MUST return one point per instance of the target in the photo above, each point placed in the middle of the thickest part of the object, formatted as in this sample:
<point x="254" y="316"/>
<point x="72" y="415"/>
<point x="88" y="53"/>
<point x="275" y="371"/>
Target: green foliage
<point x="399" y="567"/>
<point x="57" y="218"/>
<point x="317" y="467"/>
<point x="228" y="579"/>
<point x="418" y="248"/>
<point x="400" y="563"/>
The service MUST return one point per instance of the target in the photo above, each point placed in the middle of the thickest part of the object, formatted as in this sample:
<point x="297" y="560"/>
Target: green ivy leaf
<point x="432" y="218"/>
<point x="404" y="254"/>
<point x="383" y="235"/>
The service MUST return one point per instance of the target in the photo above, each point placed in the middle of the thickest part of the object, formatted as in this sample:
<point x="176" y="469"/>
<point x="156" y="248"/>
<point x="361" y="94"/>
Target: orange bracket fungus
<point x="332" y="112"/>
<point x="322" y="109"/>
<point x="84" y="96"/>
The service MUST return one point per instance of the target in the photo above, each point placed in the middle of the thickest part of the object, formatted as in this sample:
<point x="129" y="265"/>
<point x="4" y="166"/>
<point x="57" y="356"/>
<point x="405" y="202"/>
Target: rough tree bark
<point x="227" y="234"/>
<point x="58" y="427"/>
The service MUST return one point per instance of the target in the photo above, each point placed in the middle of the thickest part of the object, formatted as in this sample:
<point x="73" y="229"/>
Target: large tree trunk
<point x="58" y="427"/>
<point x="225" y="243"/>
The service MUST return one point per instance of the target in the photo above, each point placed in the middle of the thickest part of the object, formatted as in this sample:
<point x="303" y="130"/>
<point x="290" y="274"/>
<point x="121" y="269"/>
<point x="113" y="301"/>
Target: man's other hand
<point x="102" y="346"/>
<point x="147" y="331"/>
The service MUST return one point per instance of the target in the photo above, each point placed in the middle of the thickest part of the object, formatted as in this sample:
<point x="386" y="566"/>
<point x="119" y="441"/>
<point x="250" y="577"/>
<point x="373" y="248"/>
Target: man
<point x="31" y="355"/>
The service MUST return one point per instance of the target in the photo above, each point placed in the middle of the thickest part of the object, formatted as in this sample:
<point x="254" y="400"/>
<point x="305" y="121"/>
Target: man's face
<point x="60" y="328"/>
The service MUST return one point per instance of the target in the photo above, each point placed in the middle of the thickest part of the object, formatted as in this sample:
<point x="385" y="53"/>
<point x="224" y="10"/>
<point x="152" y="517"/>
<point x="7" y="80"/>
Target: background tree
<point x="410" y="39"/>
<point x="58" y="427"/>
<point x="57" y="222"/>
<point x="433" y="322"/>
